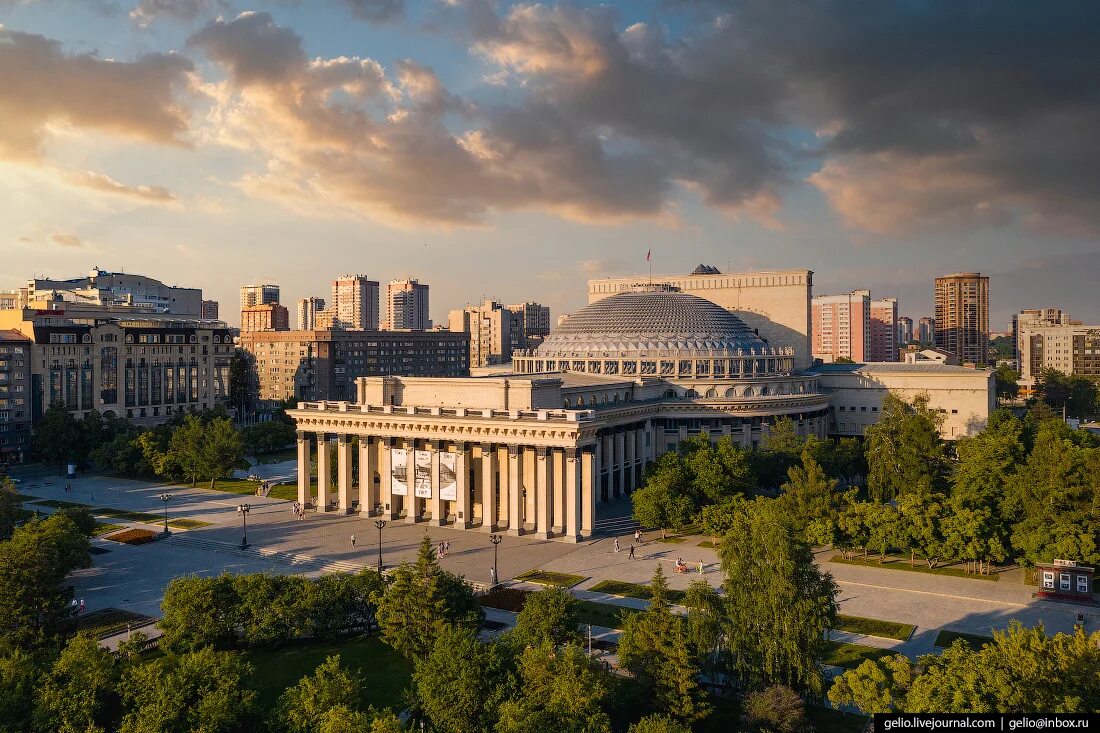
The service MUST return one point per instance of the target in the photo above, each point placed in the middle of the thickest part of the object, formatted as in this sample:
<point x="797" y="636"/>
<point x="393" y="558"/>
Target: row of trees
<point x="1021" y="489"/>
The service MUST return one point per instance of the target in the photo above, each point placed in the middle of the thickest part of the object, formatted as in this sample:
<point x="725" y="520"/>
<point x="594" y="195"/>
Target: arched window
<point x="603" y="399"/>
<point x="670" y="394"/>
<point x="748" y="392"/>
<point x="567" y="403"/>
<point x="580" y="402"/>
<point x="731" y="392"/>
<point x="764" y="391"/>
<point x="712" y="393"/>
<point x="691" y="394"/>
<point x="615" y="398"/>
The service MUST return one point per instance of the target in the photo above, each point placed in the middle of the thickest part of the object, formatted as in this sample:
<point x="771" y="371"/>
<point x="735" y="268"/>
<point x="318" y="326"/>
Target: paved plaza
<point x="135" y="577"/>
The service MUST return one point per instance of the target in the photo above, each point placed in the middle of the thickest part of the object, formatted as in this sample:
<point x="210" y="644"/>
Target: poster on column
<point x="448" y="478"/>
<point x="423" y="487"/>
<point x="399" y="472"/>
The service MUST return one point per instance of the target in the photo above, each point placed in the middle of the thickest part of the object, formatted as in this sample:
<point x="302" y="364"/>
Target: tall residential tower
<point x="962" y="316"/>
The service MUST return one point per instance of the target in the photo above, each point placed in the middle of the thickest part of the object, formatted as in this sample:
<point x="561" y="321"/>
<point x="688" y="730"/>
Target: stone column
<point x="463" y="507"/>
<point x="439" y="515"/>
<point x="588" y="492"/>
<point x="598" y="463"/>
<point x="488" y="487"/>
<point x="412" y="504"/>
<point x="557" y="479"/>
<point x="573" y="491"/>
<point x="515" y="490"/>
<point x="385" y="473"/>
<point x="343" y="473"/>
<point x="651" y="447"/>
<point x="630" y="458"/>
<point x="542" y="494"/>
<point x="304" y="469"/>
<point x="323" y="473"/>
<point x="620" y="463"/>
<point x="368" y="494"/>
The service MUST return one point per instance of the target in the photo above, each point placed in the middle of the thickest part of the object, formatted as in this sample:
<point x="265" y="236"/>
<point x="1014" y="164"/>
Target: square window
<point x="1063" y="581"/>
<point x="1048" y="580"/>
<point x="1082" y="584"/>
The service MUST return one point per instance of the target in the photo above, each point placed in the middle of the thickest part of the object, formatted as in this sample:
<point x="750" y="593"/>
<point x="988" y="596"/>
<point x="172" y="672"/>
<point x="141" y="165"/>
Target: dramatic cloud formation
<point x="147" y="11"/>
<point x="43" y="86"/>
<point x="106" y="184"/>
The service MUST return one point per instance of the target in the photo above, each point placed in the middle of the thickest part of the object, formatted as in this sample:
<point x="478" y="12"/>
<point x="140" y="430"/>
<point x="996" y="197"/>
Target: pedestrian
<point x="638" y="536"/>
<point x="493" y="575"/>
<point x="81" y="605"/>
<point x="700" y="567"/>
<point x="447" y="548"/>
<point x="616" y="544"/>
<point x="353" y="540"/>
<point x="631" y="555"/>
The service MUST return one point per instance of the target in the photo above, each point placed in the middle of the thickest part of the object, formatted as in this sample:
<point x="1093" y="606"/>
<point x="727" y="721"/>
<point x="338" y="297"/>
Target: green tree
<point x="976" y="535"/>
<point x="716" y="519"/>
<point x="461" y="683"/>
<point x="775" y="709"/>
<point x="705" y="620"/>
<point x="266" y="609"/>
<point x="716" y="471"/>
<point x="11" y="507"/>
<point x="875" y="686"/>
<point x="303" y="707"/>
<point x="548" y="616"/>
<point x="778" y="603"/>
<point x="654" y="648"/>
<point x="19" y="674"/>
<point x="199" y="691"/>
<point x="658" y="723"/>
<point x="221" y="450"/>
<point x="811" y="501"/>
<point x="243" y="382"/>
<point x="421" y="600"/>
<point x="186" y="449"/>
<point x="1006" y="382"/>
<point x="339" y="603"/>
<point x="1075" y="394"/>
<point x="266" y="437"/>
<point x="79" y="695"/>
<point x="664" y="500"/>
<point x="987" y="461"/>
<point x="560" y="689"/>
<point x="34" y="601"/>
<point x="200" y="612"/>
<point x="57" y="435"/>
<point x="905" y="453"/>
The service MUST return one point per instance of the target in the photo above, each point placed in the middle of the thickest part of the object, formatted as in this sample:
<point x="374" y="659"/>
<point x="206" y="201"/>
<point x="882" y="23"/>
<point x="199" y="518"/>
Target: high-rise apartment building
<point x="267" y="317"/>
<point x="16" y="399"/>
<point x="210" y="310"/>
<point x="492" y="329"/>
<point x="962" y="316"/>
<point x="308" y="308"/>
<point x="258" y="295"/>
<point x="883" y="334"/>
<point x="534" y="323"/>
<point x="841" y="326"/>
<point x="926" y="330"/>
<point x="905" y="330"/>
<point x="407" y="306"/>
<point x="1030" y="318"/>
<point x="354" y="303"/>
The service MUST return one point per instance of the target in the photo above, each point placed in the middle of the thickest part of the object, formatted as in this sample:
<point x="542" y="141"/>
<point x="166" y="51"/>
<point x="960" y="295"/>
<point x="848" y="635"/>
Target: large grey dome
<point x="649" y="320"/>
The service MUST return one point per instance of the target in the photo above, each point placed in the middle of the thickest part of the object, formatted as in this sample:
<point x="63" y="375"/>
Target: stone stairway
<point x="306" y="563"/>
<point x="615" y="525"/>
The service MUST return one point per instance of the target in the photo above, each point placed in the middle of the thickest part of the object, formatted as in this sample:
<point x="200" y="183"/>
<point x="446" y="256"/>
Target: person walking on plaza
<point x="616" y="544"/>
<point x="700" y="567"/>
<point x="353" y="540"/>
<point x="637" y="536"/>
<point x="631" y="555"/>
<point x="492" y="575"/>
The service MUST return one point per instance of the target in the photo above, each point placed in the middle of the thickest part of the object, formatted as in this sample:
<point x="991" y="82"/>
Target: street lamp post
<point x="380" y="523"/>
<point x="495" y="539"/>
<point x="166" y="498"/>
<point x="243" y="510"/>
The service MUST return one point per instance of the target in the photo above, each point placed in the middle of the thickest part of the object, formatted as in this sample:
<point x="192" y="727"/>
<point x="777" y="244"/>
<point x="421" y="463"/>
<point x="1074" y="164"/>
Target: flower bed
<point x="132" y="536"/>
<point x="546" y="577"/>
<point x="506" y="599"/>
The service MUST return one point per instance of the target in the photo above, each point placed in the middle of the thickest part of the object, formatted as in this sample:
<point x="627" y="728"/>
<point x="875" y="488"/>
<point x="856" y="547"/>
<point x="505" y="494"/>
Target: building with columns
<point x="538" y="451"/>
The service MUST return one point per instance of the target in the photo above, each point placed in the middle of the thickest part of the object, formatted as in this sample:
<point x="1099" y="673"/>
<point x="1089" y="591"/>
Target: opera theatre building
<point x="538" y="450"/>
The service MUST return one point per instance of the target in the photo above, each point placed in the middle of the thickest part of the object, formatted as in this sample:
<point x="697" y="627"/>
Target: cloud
<point x="106" y="184"/>
<point x="66" y="240"/>
<point x="377" y="11"/>
<point x="148" y="11"/>
<point x="44" y="86"/>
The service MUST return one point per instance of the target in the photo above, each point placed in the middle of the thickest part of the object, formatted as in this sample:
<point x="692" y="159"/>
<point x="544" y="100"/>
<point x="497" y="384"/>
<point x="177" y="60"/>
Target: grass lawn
<point x="288" y="492"/>
<point x="109" y="621"/>
<point x="673" y="540"/>
<point x="708" y="544"/>
<point x="232" y="486"/>
<point x="545" y="577"/>
<point x="633" y="590"/>
<point x="602" y="614"/>
<point x="874" y="627"/>
<point x="946" y="638"/>
<point x="102" y="528"/>
<point x="58" y="504"/>
<point x="188" y="523"/>
<point x="894" y="563"/>
<point x="385" y="673"/>
<point x="127" y="516"/>
<point x="850" y="656"/>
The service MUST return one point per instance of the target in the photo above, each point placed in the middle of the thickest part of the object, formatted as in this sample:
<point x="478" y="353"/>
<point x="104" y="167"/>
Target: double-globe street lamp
<point x="243" y="510"/>
<point x="166" y="498"/>
<point x="495" y="539"/>
<point x="380" y="523"/>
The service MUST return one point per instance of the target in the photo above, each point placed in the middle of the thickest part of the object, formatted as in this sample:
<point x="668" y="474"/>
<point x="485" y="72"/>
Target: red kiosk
<point x="1065" y="580"/>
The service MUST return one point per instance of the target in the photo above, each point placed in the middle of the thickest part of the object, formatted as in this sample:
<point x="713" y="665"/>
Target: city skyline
<point x="174" y="179"/>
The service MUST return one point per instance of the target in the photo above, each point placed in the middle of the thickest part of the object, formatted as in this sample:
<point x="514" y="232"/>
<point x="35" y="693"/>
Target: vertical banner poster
<point x="399" y="472"/>
<point x="423" y="486"/>
<point x="448" y="479"/>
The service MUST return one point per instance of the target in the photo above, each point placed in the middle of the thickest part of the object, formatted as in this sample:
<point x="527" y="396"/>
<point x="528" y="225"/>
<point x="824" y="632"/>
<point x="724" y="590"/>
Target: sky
<point x="513" y="150"/>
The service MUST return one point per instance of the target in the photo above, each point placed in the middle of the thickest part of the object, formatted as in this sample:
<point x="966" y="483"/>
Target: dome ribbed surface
<point x="649" y="320"/>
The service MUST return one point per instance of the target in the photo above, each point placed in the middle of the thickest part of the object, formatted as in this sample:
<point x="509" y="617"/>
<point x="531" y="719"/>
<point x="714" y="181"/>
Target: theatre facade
<point x="539" y="450"/>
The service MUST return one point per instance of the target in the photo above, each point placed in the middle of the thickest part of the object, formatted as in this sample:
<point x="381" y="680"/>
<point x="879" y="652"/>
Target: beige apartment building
<point x="1037" y="317"/>
<point x="307" y="310"/>
<point x="131" y="362"/>
<point x="842" y="326"/>
<point x="962" y="316"/>
<point x="926" y="330"/>
<point x="354" y="303"/>
<point x="775" y="304"/>
<point x="1070" y="348"/>
<point x="407" y="306"/>
<point x="882" y="341"/>
<point x="323" y="365"/>
<point x="492" y="329"/>
<point x="253" y="295"/>
<point x="211" y="310"/>
<point x="267" y="317"/>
